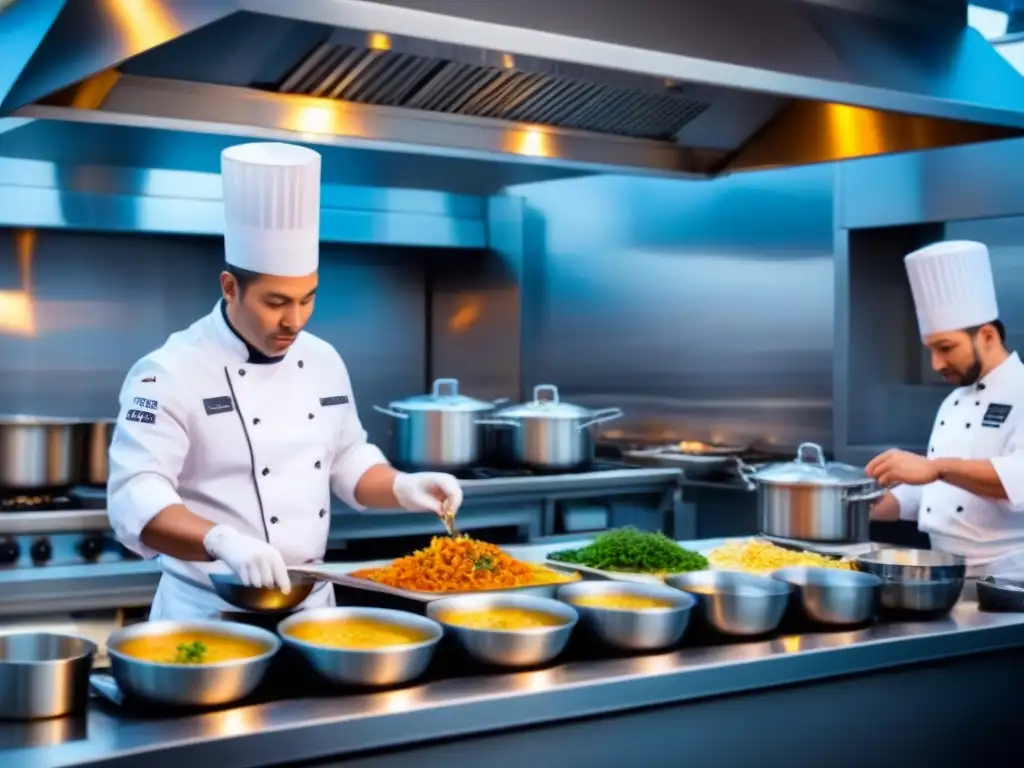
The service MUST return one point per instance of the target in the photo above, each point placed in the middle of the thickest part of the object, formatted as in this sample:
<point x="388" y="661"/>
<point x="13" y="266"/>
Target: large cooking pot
<point x="549" y="434"/>
<point x="438" y="431"/>
<point x="96" y="451"/>
<point x="37" y="452"/>
<point x="810" y="499"/>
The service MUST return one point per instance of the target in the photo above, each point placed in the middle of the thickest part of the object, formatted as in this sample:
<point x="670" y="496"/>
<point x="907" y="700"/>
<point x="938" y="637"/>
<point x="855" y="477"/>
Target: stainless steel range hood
<point x="696" y="88"/>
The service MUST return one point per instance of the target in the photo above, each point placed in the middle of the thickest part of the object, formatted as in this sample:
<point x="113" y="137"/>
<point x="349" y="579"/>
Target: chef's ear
<point x="230" y="287"/>
<point x="988" y="336"/>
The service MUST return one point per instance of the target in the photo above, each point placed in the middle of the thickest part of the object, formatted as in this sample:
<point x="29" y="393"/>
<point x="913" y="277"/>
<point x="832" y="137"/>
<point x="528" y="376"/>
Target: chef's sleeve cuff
<point x="909" y="499"/>
<point x="1010" y="470"/>
<point x="349" y="467"/>
<point x="141" y="499"/>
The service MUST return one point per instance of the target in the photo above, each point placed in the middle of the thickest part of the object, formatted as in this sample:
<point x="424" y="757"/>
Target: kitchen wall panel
<point x="88" y="305"/>
<point x="702" y="307"/>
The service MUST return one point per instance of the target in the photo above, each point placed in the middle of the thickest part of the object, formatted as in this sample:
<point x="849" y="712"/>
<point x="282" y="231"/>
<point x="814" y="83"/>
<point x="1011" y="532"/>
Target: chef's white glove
<point x="425" y="491"/>
<point x="255" y="562"/>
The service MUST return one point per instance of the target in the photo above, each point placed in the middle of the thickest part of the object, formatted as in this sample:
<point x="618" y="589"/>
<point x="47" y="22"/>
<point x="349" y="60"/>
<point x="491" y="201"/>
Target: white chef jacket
<point x="982" y="421"/>
<point x="258" y="447"/>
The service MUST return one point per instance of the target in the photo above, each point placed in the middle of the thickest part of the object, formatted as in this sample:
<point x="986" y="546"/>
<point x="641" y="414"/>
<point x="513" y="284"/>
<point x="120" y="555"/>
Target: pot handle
<point x="601" y="416"/>
<point x="497" y="422"/>
<point x="746" y="472"/>
<point x="499" y="401"/>
<point x="389" y="412"/>
<point x="451" y="384"/>
<point x="817" y="453"/>
<point x="873" y="495"/>
<point x="550" y="389"/>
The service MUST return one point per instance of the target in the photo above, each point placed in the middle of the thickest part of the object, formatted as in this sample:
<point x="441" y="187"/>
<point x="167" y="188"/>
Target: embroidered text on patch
<point x="996" y="415"/>
<point x="142" y="402"/>
<point x="335" y="400"/>
<point x="149" y="380"/>
<point x="214" y="405"/>
<point x="142" y="417"/>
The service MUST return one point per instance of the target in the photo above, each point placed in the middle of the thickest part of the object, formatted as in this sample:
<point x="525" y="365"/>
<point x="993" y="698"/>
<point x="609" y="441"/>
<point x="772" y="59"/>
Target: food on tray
<point x="356" y="634"/>
<point x="461" y="564"/>
<point x="628" y="550"/>
<point x="191" y="648"/>
<point x="501" y="618"/>
<point x="622" y="602"/>
<point x="757" y="556"/>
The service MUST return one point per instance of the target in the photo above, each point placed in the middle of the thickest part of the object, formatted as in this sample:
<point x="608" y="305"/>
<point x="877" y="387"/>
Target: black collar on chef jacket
<point x="255" y="356"/>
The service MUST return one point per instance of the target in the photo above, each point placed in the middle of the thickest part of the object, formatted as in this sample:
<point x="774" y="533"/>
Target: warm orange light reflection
<point x="508" y="61"/>
<point x="854" y="131"/>
<point x="91" y="93"/>
<point x="325" y="119"/>
<point x="531" y="142"/>
<point x="143" y="24"/>
<point x="378" y="41"/>
<point x="467" y="314"/>
<point x="540" y="680"/>
<point x="231" y="722"/>
<point x="17" y="307"/>
<point x="402" y="700"/>
<point x="652" y="665"/>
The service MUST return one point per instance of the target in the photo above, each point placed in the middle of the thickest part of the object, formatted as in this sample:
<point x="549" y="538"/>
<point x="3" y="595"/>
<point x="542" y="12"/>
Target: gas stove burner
<point x="38" y="502"/>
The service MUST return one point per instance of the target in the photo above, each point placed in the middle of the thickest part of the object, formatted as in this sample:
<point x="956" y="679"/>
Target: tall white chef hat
<point x="271" y="208"/>
<point x="952" y="286"/>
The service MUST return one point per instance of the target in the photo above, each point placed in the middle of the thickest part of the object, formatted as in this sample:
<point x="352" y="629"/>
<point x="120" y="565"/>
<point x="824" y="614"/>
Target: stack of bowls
<point x="627" y="628"/>
<point x="916" y="582"/>
<point x="735" y="603"/>
<point x="507" y="647"/>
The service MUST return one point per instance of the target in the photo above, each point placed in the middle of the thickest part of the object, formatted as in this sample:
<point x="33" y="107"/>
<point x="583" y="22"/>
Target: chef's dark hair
<point x="997" y="324"/>
<point x="244" y="277"/>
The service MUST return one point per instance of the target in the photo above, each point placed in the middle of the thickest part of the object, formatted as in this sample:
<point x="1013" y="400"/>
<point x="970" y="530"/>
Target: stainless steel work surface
<point x="305" y="729"/>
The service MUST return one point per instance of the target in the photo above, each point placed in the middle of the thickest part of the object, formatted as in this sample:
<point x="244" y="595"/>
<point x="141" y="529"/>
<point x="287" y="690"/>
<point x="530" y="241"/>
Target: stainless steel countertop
<point x="307" y="729"/>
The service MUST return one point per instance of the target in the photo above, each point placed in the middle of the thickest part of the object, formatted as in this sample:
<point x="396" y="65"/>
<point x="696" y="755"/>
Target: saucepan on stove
<point x="811" y="499"/>
<point x="547" y="433"/>
<point x="439" y="431"/>
<point x="96" y="436"/>
<point x="39" y="452"/>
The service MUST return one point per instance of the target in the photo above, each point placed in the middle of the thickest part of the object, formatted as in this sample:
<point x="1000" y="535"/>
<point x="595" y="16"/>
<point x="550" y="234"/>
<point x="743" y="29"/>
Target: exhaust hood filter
<point x="392" y="79"/>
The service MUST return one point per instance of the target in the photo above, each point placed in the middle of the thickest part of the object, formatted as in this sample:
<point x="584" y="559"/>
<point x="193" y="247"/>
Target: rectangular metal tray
<point x="639" y="578"/>
<point x="341" y="574"/>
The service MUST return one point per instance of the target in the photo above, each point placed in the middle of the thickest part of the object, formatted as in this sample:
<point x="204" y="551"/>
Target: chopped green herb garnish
<point x="633" y="551"/>
<point x="190" y="653"/>
<point x="483" y="563"/>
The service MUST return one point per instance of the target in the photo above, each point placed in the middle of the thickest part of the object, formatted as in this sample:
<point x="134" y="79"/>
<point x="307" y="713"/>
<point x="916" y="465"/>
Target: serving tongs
<point x="448" y="518"/>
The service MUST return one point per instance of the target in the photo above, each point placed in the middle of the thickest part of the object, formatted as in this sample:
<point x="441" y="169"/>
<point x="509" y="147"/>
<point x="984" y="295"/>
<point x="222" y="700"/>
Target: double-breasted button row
<point x="274" y="520"/>
<point x="958" y="509"/>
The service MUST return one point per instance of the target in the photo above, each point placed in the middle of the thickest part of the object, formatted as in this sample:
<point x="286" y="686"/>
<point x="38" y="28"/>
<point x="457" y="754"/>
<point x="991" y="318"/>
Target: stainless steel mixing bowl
<point x="831" y="595"/>
<point x="43" y="675"/>
<point x="916" y="580"/>
<point x="262" y="599"/>
<point x="508" y="647"/>
<point x="385" y="665"/>
<point x="191" y="684"/>
<point x="632" y="629"/>
<point x="735" y="603"/>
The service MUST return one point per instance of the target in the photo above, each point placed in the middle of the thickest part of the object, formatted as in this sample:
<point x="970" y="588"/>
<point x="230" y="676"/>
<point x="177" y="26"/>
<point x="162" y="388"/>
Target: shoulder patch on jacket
<point x="142" y="417"/>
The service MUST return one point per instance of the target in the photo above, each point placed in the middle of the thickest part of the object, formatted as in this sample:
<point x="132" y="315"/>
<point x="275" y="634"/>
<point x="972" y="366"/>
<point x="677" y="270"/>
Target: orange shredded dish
<point x="460" y="565"/>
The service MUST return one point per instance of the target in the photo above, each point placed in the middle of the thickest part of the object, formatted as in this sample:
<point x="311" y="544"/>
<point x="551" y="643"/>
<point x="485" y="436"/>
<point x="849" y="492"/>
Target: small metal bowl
<point x="632" y="629"/>
<point x="833" y="596"/>
<point x="916" y="581"/>
<point x="43" y="674"/>
<point x="999" y="594"/>
<point x="262" y="599"/>
<point x="387" y="665"/>
<point x="735" y="603"/>
<point x="191" y="684"/>
<point x="508" y="647"/>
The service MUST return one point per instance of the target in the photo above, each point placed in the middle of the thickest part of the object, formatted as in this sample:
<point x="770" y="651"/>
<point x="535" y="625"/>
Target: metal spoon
<point x="448" y="518"/>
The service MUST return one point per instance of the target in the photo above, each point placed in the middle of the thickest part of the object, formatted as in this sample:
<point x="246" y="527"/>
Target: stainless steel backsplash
<point x="99" y="302"/>
<point x="704" y="308"/>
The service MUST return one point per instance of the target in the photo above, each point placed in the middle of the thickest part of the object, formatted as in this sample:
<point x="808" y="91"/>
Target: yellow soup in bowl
<point x="502" y="618"/>
<point x="621" y="602"/>
<point x="356" y="634"/>
<point x="191" y="648"/>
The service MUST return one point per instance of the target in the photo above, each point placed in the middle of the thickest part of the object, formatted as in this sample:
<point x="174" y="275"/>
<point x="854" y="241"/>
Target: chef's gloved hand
<point x="425" y="491"/>
<point x="255" y="562"/>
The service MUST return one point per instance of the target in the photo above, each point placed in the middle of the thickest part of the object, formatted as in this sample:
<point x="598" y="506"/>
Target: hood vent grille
<point x="391" y="79"/>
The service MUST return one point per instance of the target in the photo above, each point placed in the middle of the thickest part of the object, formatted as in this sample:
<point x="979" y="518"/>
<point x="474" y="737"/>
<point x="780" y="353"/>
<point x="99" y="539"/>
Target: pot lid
<point x="546" y="404"/>
<point x="443" y="397"/>
<point x="810" y="468"/>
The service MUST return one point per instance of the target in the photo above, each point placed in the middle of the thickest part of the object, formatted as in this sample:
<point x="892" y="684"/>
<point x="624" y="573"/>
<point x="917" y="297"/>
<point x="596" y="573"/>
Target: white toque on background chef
<point x="233" y="434"/>
<point x="967" y="493"/>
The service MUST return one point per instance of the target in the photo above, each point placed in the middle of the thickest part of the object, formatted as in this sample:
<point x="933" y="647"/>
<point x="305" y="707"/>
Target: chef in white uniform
<point x="967" y="492"/>
<point x="233" y="434"/>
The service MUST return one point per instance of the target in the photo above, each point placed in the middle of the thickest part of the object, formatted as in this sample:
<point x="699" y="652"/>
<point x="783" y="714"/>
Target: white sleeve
<point x="147" y="452"/>
<point x="1010" y="469"/>
<point x="909" y="499"/>
<point x="353" y="454"/>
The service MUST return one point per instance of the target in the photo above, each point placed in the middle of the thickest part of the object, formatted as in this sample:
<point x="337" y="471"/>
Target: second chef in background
<point x="967" y="493"/>
<point x="233" y="434"/>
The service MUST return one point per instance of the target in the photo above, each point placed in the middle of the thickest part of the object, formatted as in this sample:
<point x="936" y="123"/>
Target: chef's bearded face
<point x="963" y="357"/>
<point x="268" y="311"/>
